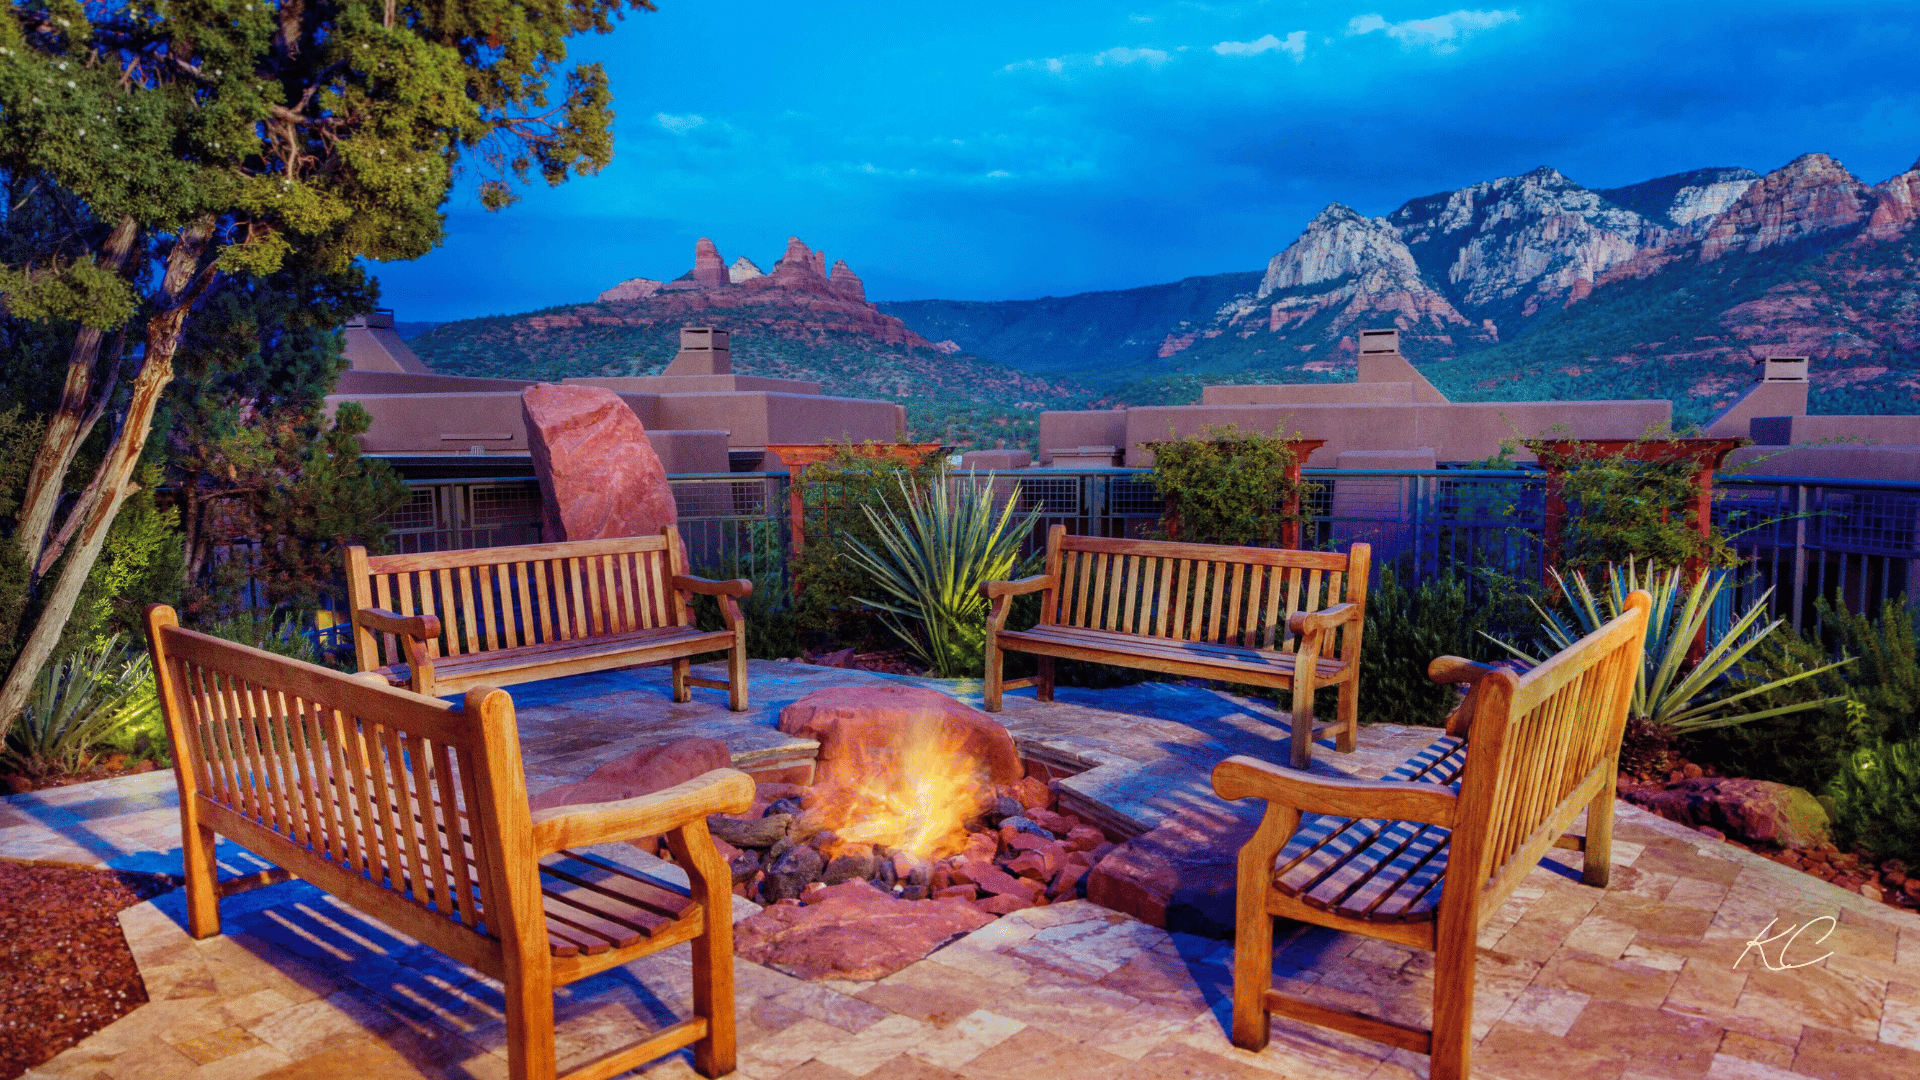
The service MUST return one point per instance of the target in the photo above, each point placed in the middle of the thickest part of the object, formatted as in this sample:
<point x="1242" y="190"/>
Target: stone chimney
<point x="1380" y="362"/>
<point x="1780" y="391"/>
<point x="703" y="351"/>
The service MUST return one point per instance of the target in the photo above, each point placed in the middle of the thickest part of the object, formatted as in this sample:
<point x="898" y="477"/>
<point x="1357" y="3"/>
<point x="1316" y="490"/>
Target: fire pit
<point x="921" y="824"/>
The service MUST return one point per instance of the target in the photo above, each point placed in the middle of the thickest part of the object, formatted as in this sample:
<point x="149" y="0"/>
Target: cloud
<point x="1439" y="33"/>
<point x="679" y="125"/>
<point x="1295" y="45"/>
<point x="1123" y="55"/>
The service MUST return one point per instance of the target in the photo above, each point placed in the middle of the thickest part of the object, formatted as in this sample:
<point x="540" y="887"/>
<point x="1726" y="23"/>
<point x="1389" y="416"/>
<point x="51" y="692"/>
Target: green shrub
<point x="80" y="703"/>
<point x="930" y="559"/>
<point x="1620" y="510"/>
<point x="1406" y="629"/>
<point x="1228" y="486"/>
<point x="281" y="636"/>
<point x="1807" y="748"/>
<point x="1876" y="800"/>
<point x="773" y="631"/>
<point x="834" y="494"/>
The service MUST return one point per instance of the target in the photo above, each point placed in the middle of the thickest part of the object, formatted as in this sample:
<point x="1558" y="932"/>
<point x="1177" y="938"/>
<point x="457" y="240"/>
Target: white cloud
<point x="679" y="125"/>
<point x="1294" y="45"/>
<point x="1123" y="55"/>
<point x="1440" y="33"/>
<point x="1055" y="65"/>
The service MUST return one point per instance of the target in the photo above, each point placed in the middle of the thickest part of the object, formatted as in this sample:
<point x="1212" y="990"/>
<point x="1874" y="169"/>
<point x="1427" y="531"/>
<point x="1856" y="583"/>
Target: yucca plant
<point x="77" y="704"/>
<point x="932" y="558"/>
<point x="1669" y="693"/>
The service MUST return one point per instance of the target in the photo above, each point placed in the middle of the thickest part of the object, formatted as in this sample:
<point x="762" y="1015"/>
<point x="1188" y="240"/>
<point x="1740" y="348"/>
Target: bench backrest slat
<point x="1195" y="592"/>
<point x="514" y="597"/>
<point x="379" y="783"/>
<point x="1532" y="746"/>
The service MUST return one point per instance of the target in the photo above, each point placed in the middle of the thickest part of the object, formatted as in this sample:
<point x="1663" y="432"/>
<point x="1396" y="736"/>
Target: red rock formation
<point x="846" y="283"/>
<point x="850" y="721"/>
<point x="599" y="476"/>
<point x="852" y="931"/>
<point x="643" y="772"/>
<point x="631" y="289"/>
<point x="799" y="266"/>
<point x="1896" y="202"/>
<point x="709" y="269"/>
<point x="1811" y="194"/>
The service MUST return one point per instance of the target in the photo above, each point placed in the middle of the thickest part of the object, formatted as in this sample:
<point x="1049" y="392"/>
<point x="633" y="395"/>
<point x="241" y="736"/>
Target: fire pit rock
<point x="849" y="721"/>
<point x="643" y="772"/>
<point x="852" y="931"/>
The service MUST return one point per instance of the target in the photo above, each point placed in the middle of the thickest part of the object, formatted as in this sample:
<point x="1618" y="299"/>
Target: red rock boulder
<point x="1180" y="875"/>
<point x="599" y="476"/>
<point x="853" y="931"/>
<point x="1758" y="811"/>
<point x="851" y="722"/>
<point x="643" y="772"/>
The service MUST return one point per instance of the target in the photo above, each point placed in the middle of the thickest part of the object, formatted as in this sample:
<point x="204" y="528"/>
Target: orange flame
<point x="914" y="794"/>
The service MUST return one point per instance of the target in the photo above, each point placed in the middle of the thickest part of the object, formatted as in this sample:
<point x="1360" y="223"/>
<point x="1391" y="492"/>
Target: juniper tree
<point x="182" y="140"/>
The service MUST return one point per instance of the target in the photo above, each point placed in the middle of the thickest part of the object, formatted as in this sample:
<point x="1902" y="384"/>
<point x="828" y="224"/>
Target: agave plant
<point x="932" y="559"/>
<point x="1670" y="693"/>
<point x="77" y="704"/>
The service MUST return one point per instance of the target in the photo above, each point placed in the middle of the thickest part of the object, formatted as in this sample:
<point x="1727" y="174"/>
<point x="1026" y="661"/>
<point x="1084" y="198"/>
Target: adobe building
<point x="1391" y="417"/>
<point x="700" y="416"/>
<point x="1789" y="442"/>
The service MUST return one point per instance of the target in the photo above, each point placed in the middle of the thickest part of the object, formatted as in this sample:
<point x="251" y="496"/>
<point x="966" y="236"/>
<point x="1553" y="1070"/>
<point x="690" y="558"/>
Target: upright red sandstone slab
<point x="850" y="721"/>
<point x="599" y="476"/>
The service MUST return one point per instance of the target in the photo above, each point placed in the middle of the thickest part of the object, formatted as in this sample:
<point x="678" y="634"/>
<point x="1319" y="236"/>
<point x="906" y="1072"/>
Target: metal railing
<point x="1804" y="537"/>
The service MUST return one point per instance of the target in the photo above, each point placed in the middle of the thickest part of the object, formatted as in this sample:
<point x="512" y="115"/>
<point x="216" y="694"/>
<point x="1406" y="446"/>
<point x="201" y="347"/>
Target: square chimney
<point x="1783" y="369"/>
<point x="1379" y="342"/>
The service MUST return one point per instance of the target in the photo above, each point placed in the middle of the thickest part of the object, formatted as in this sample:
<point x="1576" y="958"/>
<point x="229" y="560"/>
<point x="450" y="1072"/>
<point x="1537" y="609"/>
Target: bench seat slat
<point x="664" y="639"/>
<point x="1226" y="657"/>
<point x="1372" y="869"/>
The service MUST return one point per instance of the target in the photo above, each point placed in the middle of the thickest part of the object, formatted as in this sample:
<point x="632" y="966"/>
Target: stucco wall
<point x="1309" y="394"/>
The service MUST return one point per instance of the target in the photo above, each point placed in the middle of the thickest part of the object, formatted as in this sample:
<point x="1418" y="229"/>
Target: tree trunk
<point x="183" y="284"/>
<point x="67" y="427"/>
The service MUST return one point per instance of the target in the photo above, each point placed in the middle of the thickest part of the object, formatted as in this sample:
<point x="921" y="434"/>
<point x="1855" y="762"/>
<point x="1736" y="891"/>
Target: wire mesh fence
<point x="1856" y="542"/>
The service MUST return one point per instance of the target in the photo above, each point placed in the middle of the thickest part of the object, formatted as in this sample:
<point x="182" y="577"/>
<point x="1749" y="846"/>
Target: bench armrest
<point x="1455" y="669"/>
<point x="722" y="791"/>
<point x="1305" y="622"/>
<point x="382" y="621"/>
<point x="993" y="590"/>
<point x="736" y="587"/>
<point x="1240" y="777"/>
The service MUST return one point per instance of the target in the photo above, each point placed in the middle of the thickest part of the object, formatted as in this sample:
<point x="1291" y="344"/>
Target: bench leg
<point x="1453" y="1010"/>
<point x="1349" y="714"/>
<point x="1597" y="867"/>
<point x="737" y="674"/>
<point x="681" y="691"/>
<point x="530" y="1050"/>
<point x="1043" y="690"/>
<point x="1302" y="744"/>
<point x="996" y="660"/>
<point x="203" y="896"/>
<point x="713" y="992"/>
<point x="1252" y="961"/>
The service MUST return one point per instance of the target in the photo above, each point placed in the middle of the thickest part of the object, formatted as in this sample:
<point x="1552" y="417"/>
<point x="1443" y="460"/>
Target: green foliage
<point x="931" y="559"/>
<point x="1228" y="486"/>
<point x="835" y="494"/>
<point x="1671" y="693"/>
<point x="1407" y="628"/>
<point x="773" y="630"/>
<point x="1621" y="509"/>
<point x="1876" y="800"/>
<point x="1880" y="688"/>
<point x="80" y="702"/>
<point x="279" y="635"/>
<point x="19" y="438"/>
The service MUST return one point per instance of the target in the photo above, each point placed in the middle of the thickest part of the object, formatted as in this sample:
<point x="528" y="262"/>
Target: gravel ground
<point x="65" y="970"/>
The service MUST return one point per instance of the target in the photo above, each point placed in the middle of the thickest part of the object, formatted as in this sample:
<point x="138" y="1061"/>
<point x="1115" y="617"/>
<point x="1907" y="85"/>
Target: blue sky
<point x="1010" y="150"/>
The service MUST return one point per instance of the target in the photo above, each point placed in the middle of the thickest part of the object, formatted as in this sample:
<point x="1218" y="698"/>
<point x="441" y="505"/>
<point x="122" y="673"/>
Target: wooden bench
<point x="414" y="811"/>
<point x="1520" y="760"/>
<point x="442" y="622"/>
<point x="1259" y="616"/>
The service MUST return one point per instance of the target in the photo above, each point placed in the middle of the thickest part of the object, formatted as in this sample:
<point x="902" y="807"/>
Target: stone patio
<point x="1652" y="978"/>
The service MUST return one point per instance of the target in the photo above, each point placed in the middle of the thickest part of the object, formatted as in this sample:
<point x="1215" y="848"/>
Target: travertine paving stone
<point x="1653" y="979"/>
